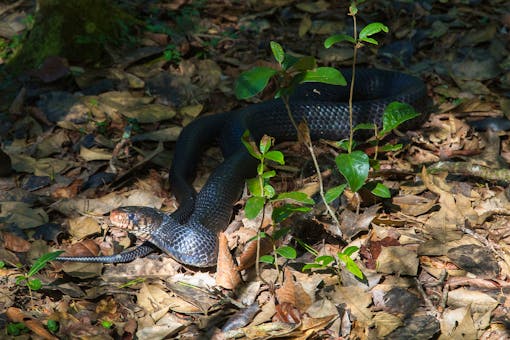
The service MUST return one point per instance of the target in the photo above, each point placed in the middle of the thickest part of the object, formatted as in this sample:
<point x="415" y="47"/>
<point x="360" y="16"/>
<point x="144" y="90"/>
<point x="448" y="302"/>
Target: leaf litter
<point x="435" y="257"/>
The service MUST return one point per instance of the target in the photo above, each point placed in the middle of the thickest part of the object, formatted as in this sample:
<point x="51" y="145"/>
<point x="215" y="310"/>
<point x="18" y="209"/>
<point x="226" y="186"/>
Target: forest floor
<point x="85" y="140"/>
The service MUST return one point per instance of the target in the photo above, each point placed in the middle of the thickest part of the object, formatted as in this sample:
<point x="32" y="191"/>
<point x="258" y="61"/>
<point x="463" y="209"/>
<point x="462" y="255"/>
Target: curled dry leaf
<point x="227" y="275"/>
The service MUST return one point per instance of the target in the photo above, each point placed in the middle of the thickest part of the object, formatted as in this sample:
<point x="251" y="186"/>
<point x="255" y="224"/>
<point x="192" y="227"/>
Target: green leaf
<point x="52" y="325"/>
<point x="282" y="213"/>
<point x="2" y="264"/>
<point x="390" y="147"/>
<point x="268" y="174"/>
<point x="304" y="64"/>
<point x="20" y="279"/>
<point x="253" y="81"/>
<point x="325" y="75"/>
<point x="354" y="167"/>
<point x="265" y="144"/>
<point x="252" y="150"/>
<point x="353" y="10"/>
<point x="351" y="266"/>
<point x="335" y="192"/>
<point x="277" y="51"/>
<point x="289" y="61"/>
<point x="309" y="266"/>
<point x="296" y="196"/>
<point x="395" y="114"/>
<point x="267" y="259"/>
<point x="364" y="126"/>
<point x="344" y="144"/>
<point x="275" y="156"/>
<point x="287" y="251"/>
<point x="278" y="234"/>
<point x="254" y="206"/>
<point x="381" y="190"/>
<point x="325" y="260"/>
<point x="41" y="262"/>
<point x="370" y="41"/>
<point x="260" y="169"/>
<point x="350" y="250"/>
<point x="254" y="186"/>
<point x="371" y="29"/>
<point x="307" y="247"/>
<point x="337" y="38"/>
<point x="269" y="191"/>
<point x="261" y="234"/>
<point x="34" y="284"/>
<point x="106" y="324"/>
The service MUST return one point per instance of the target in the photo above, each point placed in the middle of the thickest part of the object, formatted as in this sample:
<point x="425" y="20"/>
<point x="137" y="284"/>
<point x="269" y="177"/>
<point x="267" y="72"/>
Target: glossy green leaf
<point x="325" y="75"/>
<point x="304" y="64"/>
<point x="307" y="247"/>
<point x="41" y="262"/>
<point x="381" y="190"/>
<point x="310" y="266"/>
<point x="325" y="260"/>
<point x="289" y="61"/>
<point x="253" y="81"/>
<point x="277" y="50"/>
<point x="252" y="150"/>
<point x="265" y="144"/>
<point x="254" y="186"/>
<point x="296" y="196"/>
<point x="275" y="156"/>
<point x="337" y="38"/>
<point x="34" y="284"/>
<point x="370" y="41"/>
<point x="354" y="167"/>
<point x="351" y="266"/>
<point x="350" y="250"/>
<point x="267" y="259"/>
<point x="335" y="192"/>
<point x="283" y="212"/>
<point x="390" y="147"/>
<point x="364" y="126"/>
<point x="287" y="252"/>
<point x="269" y="191"/>
<point x="395" y="114"/>
<point x="278" y="234"/>
<point x="268" y="174"/>
<point x="254" y="206"/>
<point x="371" y="29"/>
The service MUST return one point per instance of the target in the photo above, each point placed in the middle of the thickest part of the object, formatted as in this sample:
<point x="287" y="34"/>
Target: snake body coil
<point x="190" y="234"/>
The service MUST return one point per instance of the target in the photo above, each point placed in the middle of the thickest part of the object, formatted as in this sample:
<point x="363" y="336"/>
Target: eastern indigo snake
<point x="190" y="234"/>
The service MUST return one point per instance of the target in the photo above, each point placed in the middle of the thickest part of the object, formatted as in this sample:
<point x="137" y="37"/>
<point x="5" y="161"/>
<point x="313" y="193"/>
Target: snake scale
<point x="189" y="235"/>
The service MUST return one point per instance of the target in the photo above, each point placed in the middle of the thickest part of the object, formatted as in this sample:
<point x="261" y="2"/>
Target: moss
<point x="77" y="30"/>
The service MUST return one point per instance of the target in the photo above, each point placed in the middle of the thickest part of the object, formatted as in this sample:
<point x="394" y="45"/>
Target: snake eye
<point x="131" y="216"/>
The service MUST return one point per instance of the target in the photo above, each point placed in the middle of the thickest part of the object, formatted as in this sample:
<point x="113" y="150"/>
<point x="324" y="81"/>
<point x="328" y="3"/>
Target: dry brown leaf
<point x="249" y="255"/>
<point x="227" y="275"/>
<point x="83" y="248"/>
<point x="397" y="260"/>
<point x="83" y="226"/>
<point x="292" y="292"/>
<point x="15" y="243"/>
<point x="69" y="191"/>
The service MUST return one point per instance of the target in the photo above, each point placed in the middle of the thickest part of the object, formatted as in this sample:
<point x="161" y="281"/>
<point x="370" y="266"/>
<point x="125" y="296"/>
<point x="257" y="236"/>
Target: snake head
<point x="139" y="221"/>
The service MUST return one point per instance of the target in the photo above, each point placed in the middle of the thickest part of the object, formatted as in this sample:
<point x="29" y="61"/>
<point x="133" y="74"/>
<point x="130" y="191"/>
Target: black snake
<point x="190" y="234"/>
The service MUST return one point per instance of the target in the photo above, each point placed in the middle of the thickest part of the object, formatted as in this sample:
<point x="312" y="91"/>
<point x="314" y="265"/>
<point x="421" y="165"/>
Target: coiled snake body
<point x="190" y="234"/>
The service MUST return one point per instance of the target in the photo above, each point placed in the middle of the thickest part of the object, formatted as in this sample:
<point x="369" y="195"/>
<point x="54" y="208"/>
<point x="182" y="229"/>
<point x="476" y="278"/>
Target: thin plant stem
<point x="309" y="146"/>
<point x="351" y="89"/>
